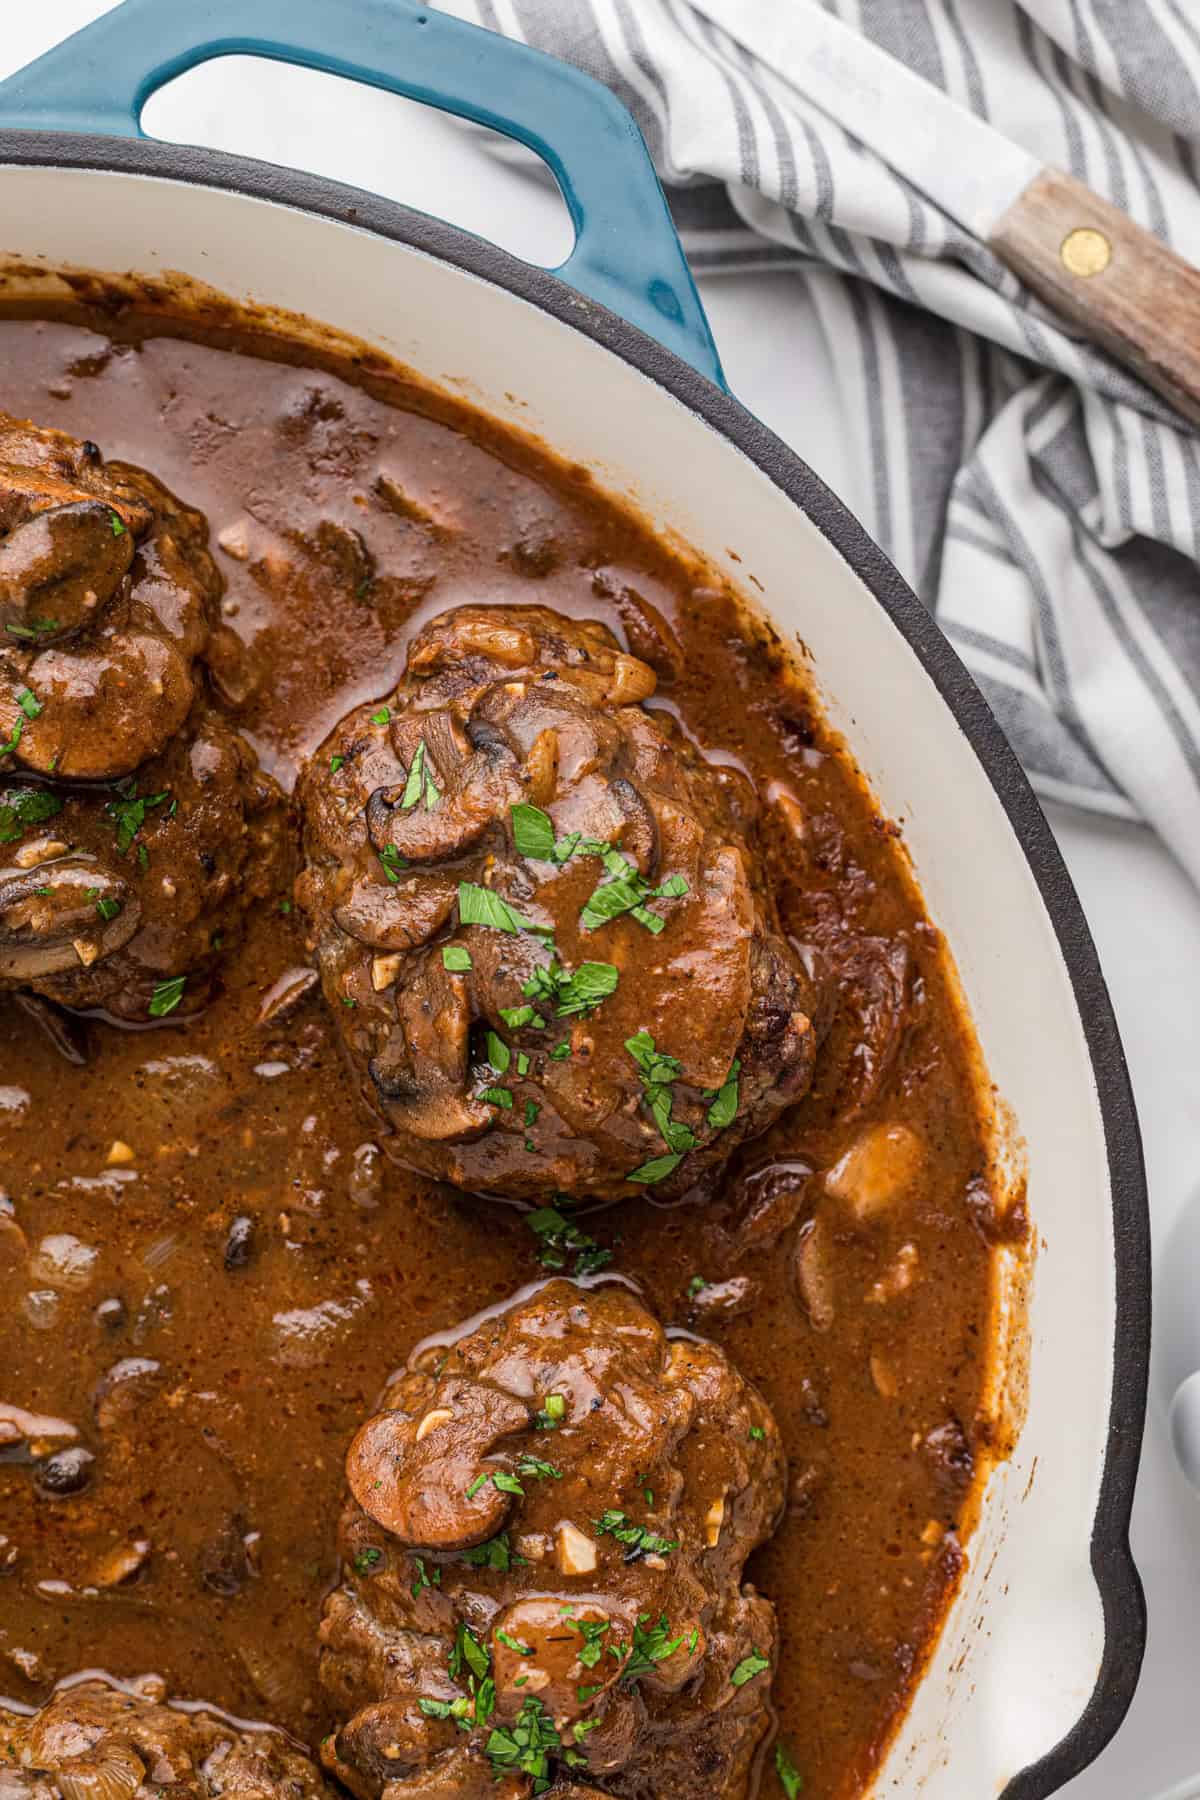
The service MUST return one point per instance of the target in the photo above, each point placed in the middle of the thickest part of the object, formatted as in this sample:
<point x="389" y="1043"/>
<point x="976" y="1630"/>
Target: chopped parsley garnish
<point x="467" y="1656"/>
<point x="723" y="1110"/>
<point x="495" y="1554"/>
<point x="532" y="1109"/>
<point x="381" y="716"/>
<point x="581" y="1727"/>
<point x="107" y="909"/>
<point x="533" y="835"/>
<point x="757" y="1433"/>
<point x="517" y="1017"/>
<point x="497" y="1096"/>
<point x="456" y="958"/>
<point x="117" y="523"/>
<point x="790" y="1778"/>
<point x="533" y="832"/>
<point x="560" y="1052"/>
<point x="128" y="812"/>
<point x="592" y="1632"/>
<point x="459" y="1710"/>
<point x="534" y="1469"/>
<point x="468" y="1653"/>
<point x="392" y="862"/>
<point x="480" y="906"/>
<point x="648" y="1648"/>
<point x="498" y="1053"/>
<point x="422" y="784"/>
<point x="552" y="1413"/>
<point x="166" y="996"/>
<point x="523" y="1069"/>
<point x="588" y="1692"/>
<point x="571" y="992"/>
<point x="424" y="1579"/>
<point x="366" y="1560"/>
<point x="627" y="891"/>
<point x="749" y="1667"/>
<point x="696" y="1286"/>
<point x="510" y="1643"/>
<point x="36" y="628"/>
<point x="8" y="748"/>
<point x="657" y="1169"/>
<point x="500" y="1479"/>
<point x="638" y="1540"/>
<point x="658" y="1072"/>
<point x="526" y="1745"/>
<point x="561" y="1239"/>
<point x="335" y="763"/>
<point x="29" y="703"/>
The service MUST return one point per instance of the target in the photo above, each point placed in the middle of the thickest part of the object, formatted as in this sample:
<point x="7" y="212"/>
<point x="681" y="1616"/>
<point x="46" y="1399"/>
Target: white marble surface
<point x="1144" y="913"/>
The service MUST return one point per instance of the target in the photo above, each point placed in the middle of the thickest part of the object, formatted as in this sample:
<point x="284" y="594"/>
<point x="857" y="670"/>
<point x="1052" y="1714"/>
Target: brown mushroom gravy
<point x="209" y="1271"/>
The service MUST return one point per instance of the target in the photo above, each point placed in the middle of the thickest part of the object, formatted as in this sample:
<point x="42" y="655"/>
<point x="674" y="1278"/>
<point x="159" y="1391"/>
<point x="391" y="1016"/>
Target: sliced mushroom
<point x="399" y="915"/>
<point x="286" y="993"/>
<point x="477" y="632"/>
<point x="50" y="917"/>
<point x="422" y="1069"/>
<point x="59" y="567"/>
<point x="431" y="824"/>
<point x="814" y="1276"/>
<point x="435" y="1491"/>
<point x="765" y="1203"/>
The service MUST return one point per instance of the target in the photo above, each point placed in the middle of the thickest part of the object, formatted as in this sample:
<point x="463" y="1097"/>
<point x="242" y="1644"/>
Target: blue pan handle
<point x="626" y="253"/>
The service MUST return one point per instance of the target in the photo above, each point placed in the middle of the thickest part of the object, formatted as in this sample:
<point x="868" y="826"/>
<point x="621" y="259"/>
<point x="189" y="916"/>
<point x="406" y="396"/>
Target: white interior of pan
<point x="1020" y="1653"/>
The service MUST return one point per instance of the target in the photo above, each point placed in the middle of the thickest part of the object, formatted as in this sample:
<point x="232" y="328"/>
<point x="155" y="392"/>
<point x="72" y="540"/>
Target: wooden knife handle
<point x="1117" y="281"/>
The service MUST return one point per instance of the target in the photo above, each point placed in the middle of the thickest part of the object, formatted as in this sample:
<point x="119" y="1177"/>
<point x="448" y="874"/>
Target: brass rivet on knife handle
<point x="1117" y="282"/>
<point x="1086" y="252"/>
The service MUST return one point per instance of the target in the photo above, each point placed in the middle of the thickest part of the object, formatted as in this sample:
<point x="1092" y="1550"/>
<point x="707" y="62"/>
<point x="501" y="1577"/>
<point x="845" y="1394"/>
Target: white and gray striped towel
<point x="1041" y="501"/>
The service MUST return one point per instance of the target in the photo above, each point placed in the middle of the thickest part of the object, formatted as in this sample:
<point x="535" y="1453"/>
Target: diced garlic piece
<point x="714" y="1518"/>
<point x="87" y="953"/>
<point x="898" y="1279"/>
<point x="120" y="1152"/>
<point x="39" y="851"/>
<point x="933" y="1534"/>
<point x="384" y="970"/>
<point x="120" y="1563"/>
<point x="632" y="680"/>
<point x="533" y="1546"/>
<point x="63" y="1261"/>
<point x="441" y="1415"/>
<point x="235" y="540"/>
<point x="576" y="1551"/>
<point x="875" y="1170"/>
<point x="884" y="1377"/>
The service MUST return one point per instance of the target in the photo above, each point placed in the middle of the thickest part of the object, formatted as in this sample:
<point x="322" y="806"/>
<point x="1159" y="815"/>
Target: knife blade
<point x="1119" y="284"/>
<point x="967" y="167"/>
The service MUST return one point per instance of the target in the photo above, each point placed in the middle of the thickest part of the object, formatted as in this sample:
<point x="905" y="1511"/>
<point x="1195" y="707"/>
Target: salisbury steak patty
<point x="94" y="1742"/>
<point x="107" y="598"/>
<point x="543" y="1551"/>
<point x="124" y="895"/>
<point x="540" y="921"/>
